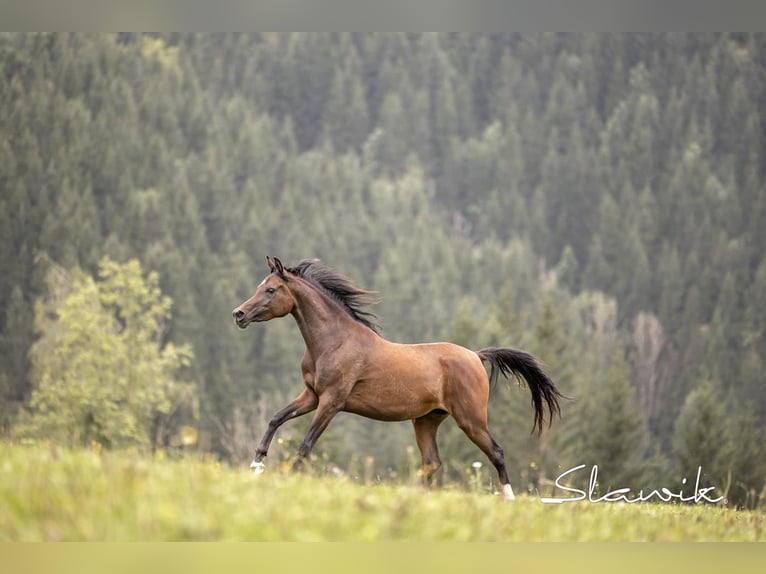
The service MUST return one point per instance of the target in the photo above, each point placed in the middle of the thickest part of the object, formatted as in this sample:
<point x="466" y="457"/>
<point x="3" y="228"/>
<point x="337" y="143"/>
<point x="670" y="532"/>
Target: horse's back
<point x="435" y="356"/>
<point x="451" y="355"/>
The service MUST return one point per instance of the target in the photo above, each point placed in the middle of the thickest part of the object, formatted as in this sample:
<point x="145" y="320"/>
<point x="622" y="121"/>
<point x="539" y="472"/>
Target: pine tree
<point x="669" y="291"/>
<point x="746" y="459"/>
<point x="598" y="273"/>
<point x="393" y="139"/>
<point x="567" y="269"/>
<point x="725" y="343"/>
<point x="700" y="437"/>
<point x="346" y="115"/>
<point x="605" y="429"/>
<point x="754" y="344"/>
<point x="17" y="336"/>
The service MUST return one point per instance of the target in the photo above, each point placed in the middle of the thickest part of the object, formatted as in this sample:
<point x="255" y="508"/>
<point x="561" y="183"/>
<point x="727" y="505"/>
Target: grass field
<point x="48" y="493"/>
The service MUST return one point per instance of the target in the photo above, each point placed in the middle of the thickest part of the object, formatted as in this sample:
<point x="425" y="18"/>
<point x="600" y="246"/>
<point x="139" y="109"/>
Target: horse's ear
<point x="272" y="266"/>
<point x="278" y="266"/>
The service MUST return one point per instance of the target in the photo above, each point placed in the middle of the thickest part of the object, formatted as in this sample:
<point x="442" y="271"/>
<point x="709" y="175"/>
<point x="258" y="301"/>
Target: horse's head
<point x="271" y="299"/>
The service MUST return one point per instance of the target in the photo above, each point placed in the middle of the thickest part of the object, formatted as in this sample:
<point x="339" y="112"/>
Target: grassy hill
<point x="48" y="493"/>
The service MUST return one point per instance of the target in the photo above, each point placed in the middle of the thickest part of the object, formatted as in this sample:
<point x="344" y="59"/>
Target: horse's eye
<point x="270" y="290"/>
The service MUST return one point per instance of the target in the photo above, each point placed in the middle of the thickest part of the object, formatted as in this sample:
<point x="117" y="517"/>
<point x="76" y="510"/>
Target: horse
<point x="349" y="366"/>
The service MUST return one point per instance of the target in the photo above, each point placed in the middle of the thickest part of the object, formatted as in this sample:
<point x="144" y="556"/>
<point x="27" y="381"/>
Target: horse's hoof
<point x="257" y="467"/>
<point x="508" y="492"/>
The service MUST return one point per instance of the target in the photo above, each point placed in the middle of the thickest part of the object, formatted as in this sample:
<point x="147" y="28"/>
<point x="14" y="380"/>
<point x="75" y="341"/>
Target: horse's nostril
<point x="238" y="314"/>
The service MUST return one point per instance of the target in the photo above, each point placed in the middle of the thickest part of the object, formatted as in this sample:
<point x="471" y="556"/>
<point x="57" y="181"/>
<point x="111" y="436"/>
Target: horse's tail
<point x="522" y="365"/>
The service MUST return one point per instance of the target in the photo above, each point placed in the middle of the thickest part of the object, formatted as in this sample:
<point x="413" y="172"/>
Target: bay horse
<point x="348" y="366"/>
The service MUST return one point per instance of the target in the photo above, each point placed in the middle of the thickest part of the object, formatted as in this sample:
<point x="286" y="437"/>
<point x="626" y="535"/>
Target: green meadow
<point x="52" y="494"/>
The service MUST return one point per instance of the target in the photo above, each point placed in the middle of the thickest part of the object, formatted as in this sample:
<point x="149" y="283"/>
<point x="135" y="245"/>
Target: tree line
<point x="595" y="198"/>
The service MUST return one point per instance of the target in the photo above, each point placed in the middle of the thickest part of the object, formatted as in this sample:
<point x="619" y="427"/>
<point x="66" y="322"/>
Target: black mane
<point x="339" y="288"/>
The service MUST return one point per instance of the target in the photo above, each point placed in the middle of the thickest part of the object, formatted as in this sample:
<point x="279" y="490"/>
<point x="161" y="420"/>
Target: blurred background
<point x="596" y="199"/>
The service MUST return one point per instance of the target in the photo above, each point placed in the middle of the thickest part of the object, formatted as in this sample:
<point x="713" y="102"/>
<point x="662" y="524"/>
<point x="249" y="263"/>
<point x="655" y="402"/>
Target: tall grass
<point x="50" y="493"/>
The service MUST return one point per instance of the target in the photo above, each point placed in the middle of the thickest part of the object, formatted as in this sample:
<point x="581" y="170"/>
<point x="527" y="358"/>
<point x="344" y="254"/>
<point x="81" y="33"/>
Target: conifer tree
<point x="605" y="429"/>
<point x="700" y="436"/>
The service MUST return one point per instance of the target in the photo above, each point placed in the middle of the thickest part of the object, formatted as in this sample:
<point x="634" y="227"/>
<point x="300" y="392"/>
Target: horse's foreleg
<point x="326" y="410"/>
<point x="305" y="403"/>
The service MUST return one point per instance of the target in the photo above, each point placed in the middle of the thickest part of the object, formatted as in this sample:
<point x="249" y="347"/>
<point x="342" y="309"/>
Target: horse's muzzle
<point x="243" y="319"/>
<point x="240" y="318"/>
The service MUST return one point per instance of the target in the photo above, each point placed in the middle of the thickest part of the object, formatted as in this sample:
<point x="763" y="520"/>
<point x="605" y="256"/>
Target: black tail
<point x="522" y="365"/>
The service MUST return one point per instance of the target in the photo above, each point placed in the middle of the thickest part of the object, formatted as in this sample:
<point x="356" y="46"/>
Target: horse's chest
<point x="320" y="380"/>
<point x="309" y="379"/>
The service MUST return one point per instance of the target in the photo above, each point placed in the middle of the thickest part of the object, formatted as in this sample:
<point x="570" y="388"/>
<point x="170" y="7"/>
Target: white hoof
<point x="257" y="467"/>
<point x="508" y="492"/>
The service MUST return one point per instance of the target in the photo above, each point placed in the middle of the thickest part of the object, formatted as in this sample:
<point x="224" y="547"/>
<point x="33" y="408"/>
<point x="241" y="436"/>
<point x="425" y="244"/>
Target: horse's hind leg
<point x="474" y="425"/>
<point x="425" y="435"/>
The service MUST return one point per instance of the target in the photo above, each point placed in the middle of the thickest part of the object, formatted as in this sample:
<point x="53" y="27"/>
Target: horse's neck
<point x="321" y="321"/>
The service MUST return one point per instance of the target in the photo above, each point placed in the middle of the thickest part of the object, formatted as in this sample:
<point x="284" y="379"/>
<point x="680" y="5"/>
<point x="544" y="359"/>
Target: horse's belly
<point x="390" y="401"/>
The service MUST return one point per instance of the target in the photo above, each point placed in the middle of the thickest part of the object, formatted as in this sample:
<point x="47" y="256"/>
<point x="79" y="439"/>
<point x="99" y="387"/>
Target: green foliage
<point x="746" y="458"/>
<point x="609" y="432"/>
<point x="700" y="438"/>
<point x="728" y="447"/>
<point x="597" y="178"/>
<point x="102" y="372"/>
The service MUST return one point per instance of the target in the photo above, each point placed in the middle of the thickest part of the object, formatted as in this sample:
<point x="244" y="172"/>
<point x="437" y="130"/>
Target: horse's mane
<point x="340" y="288"/>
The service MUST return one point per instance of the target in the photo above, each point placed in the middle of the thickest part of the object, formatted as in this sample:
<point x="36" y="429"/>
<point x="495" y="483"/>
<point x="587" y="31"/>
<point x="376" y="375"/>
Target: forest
<point x="598" y="200"/>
